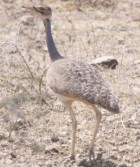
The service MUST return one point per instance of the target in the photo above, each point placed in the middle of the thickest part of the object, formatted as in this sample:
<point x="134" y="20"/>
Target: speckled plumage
<point x="80" y="81"/>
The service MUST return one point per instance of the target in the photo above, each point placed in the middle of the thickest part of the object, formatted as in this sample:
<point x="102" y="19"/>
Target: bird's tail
<point x="112" y="104"/>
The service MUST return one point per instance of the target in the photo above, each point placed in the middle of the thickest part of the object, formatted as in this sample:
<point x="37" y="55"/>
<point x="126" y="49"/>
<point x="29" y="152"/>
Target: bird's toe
<point x="91" y="155"/>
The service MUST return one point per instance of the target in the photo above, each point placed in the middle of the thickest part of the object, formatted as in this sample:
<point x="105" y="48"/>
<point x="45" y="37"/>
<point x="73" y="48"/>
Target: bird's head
<point x="44" y="12"/>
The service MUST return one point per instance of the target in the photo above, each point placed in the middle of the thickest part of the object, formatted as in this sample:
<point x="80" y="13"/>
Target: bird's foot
<point x="72" y="157"/>
<point x="91" y="155"/>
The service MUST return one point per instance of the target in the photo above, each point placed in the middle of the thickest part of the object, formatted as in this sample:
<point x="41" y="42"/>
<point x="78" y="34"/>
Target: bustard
<point x="75" y="80"/>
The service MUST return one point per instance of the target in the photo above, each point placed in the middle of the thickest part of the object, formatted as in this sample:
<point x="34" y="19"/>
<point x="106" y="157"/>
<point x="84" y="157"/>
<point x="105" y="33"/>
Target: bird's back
<point x="80" y="81"/>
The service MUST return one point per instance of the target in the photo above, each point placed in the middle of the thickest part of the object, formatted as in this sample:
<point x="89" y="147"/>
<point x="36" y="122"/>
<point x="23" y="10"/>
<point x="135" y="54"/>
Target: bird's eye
<point x="49" y="9"/>
<point x="41" y="8"/>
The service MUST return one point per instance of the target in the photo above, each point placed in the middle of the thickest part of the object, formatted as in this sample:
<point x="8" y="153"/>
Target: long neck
<point x="53" y="52"/>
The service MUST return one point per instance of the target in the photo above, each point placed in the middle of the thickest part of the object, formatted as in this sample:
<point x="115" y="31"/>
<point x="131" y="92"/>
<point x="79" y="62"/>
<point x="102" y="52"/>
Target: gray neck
<point x="53" y="52"/>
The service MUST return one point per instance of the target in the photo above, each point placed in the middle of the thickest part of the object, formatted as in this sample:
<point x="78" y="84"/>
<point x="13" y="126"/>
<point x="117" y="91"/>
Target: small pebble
<point x="13" y="155"/>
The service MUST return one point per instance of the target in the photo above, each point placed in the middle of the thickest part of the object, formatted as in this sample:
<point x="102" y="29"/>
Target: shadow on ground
<point x="99" y="162"/>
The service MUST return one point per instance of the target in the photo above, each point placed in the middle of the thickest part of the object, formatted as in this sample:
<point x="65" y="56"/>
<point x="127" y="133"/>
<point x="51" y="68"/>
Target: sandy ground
<point x="42" y="134"/>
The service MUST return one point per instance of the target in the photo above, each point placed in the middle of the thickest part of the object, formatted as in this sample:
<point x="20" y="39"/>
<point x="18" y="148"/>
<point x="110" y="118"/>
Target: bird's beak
<point x="32" y="8"/>
<point x="28" y="7"/>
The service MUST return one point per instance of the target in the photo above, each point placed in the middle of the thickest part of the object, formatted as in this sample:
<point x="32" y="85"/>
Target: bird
<point x="75" y="80"/>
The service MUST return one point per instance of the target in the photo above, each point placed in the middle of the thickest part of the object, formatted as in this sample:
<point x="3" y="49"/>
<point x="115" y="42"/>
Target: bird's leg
<point x="74" y="126"/>
<point x="98" y="120"/>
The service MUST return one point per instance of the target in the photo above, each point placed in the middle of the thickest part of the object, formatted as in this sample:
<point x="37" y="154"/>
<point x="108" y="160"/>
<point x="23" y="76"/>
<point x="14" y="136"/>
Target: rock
<point x="106" y="61"/>
<point x="52" y="150"/>
<point x="13" y="155"/>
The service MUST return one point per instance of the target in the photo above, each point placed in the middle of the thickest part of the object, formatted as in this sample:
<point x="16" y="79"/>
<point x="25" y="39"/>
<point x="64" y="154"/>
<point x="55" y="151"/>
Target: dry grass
<point x="42" y="136"/>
